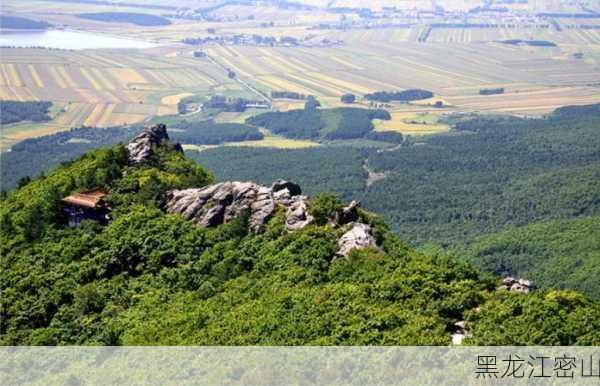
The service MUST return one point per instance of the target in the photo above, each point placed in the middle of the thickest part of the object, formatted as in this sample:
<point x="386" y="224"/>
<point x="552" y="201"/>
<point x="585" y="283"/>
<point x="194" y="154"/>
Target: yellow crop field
<point x="10" y="74"/>
<point x="277" y="83"/>
<point x="95" y="115"/>
<point x="127" y="76"/>
<point x="412" y="123"/>
<point x="35" y="75"/>
<point x="87" y="74"/>
<point x="286" y="105"/>
<point x="174" y="99"/>
<point x="341" y="84"/>
<point x="276" y="142"/>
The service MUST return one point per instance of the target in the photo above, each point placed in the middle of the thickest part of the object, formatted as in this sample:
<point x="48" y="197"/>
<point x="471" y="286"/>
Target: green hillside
<point x="148" y="277"/>
<point x="558" y="253"/>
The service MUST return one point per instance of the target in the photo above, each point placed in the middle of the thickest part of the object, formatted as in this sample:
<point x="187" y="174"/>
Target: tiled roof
<point x="90" y="199"/>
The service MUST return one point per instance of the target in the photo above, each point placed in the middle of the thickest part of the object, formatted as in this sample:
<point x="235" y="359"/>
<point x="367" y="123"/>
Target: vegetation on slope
<point x="14" y="111"/>
<point x="35" y="156"/>
<point x="559" y="253"/>
<point x="489" y="175"/>
<point x="152" y="278"/>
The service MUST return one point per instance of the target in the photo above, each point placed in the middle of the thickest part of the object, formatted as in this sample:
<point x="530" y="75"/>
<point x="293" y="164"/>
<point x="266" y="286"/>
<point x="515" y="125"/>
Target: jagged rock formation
<point x="143" y="146"/>
<point x="219" y="203"/>
<point x="517" y="285"/>
<point x="358" y="237"/>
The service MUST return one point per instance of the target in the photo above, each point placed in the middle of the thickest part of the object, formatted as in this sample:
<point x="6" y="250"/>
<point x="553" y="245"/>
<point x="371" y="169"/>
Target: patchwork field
<point x="112" y="87"/>
<point x="101" y="88"/>
<point x="534" y="78"/>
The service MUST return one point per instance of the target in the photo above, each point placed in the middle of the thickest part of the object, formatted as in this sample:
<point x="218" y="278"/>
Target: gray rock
<point x="143" y="146"/>
<point x="217" y="204"/>
<point x="297" y="215"/>
<point x="220" y="203"/>
<point x="358" y="237"/>
<point x="517" y="285"/>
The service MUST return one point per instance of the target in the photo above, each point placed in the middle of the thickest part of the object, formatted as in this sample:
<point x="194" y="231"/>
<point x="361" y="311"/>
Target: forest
<point x="490" y="177"/>
<point x="14" y="111"/>
<point x="399" y="96"/>
<point x="561" y="253"/>
<point x="143" y="19"/>
<point x="325" y="124"/>
<point x="490" y="174"/>
<point x="212" y="133"/>
<point x="151" y="278"/>
<point x="35" y="156"/>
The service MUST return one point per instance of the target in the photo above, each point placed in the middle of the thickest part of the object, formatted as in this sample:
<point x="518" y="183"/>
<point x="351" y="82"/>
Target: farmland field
<point x="107" y="87"/>
<point x="412" y="123"/>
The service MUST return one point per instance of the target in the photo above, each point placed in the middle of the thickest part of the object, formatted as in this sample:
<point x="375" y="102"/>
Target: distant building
<point x="89" y="205"/>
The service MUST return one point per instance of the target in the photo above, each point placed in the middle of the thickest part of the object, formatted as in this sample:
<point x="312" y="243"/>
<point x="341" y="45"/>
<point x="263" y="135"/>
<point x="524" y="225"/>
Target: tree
<point x="348" y="98"/>
<point x="311" y="103"/>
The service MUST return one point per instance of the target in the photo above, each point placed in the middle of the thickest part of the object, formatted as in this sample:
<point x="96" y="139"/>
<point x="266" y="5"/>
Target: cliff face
<point x="142" y="147"/>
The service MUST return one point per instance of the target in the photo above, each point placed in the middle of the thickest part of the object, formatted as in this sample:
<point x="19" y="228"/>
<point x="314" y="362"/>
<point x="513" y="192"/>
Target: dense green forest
<point x="489" y="175"/>
<point x="14" y="111"/>
<point x="326" y="124"/>
<point x="143" y="19"/>
<point x="34" y="156"/>
<point x="400" y="96"/>
<point x="16" y="22"/>
<point x="339" y="168"/>
<point x="212" y="133"/>
<point x="149" y="278"/>
<point x="557" y="253"/>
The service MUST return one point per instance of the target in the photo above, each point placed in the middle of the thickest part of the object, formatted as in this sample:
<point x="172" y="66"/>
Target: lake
<point x="69" y="40"/>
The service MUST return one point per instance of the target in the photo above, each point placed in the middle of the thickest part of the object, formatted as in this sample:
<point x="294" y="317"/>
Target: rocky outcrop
<point x="517" y="285"/>
<point x="141" y="148"/>
<point x="219" y="203"/>
<point x="297" y="215"/>
<point x="360" y="236"/>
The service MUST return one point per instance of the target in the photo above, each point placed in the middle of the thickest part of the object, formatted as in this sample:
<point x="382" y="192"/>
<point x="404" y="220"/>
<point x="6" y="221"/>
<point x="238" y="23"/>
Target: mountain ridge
<point x="153" y="277"/>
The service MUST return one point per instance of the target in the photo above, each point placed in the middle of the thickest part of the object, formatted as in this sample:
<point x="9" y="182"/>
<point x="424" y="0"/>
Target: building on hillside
<point x="89" y="205"/>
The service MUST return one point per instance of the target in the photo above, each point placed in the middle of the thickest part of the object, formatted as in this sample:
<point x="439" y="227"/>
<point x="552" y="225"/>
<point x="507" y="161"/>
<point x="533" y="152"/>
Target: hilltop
<point x="183" y="259"/>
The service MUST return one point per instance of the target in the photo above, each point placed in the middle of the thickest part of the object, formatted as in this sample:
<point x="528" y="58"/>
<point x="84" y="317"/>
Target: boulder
<point x="358" y="237"/>
<point x="297" y="215"/>
<point x="143" y="146"/>
<point x="517" y="285"/>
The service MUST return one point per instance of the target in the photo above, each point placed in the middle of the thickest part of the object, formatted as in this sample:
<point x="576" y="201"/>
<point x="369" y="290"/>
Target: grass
<point x="276" y="142"/>
<point x="412" y="123"/>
